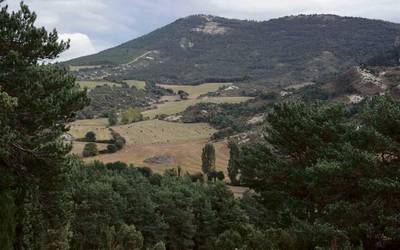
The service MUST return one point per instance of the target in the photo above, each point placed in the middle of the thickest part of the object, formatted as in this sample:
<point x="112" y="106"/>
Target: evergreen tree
<point x="233" y="168"/>
<point x="208" y="158"/>
<point x="90" y="136"/>
<point x="112" y="118"/>
<point x="90" y="149"/>
<point x="320" y="176"/>
<point x="43" y="98"/>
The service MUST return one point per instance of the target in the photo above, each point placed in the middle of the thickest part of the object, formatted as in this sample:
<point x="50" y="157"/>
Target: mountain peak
<point x="208" y="48"/>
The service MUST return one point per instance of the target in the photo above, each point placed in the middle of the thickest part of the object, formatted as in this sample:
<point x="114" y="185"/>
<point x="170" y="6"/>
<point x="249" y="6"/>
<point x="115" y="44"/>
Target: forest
<point x="322" y="176"/>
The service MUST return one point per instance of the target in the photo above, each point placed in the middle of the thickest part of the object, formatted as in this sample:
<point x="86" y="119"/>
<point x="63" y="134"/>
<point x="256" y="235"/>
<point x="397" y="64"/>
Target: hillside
<point x="206" y="48"/>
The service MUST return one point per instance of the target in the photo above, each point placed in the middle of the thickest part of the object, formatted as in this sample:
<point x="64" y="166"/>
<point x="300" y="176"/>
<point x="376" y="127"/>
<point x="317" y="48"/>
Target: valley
<point x="160" y="144"/>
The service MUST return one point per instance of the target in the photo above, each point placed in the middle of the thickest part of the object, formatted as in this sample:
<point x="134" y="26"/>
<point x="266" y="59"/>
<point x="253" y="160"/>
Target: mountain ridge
<point x="281" y="50"/>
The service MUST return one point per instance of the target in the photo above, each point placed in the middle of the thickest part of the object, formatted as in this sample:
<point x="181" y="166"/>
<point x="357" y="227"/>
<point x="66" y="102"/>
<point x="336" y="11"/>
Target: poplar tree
<point x="208" y="158"/>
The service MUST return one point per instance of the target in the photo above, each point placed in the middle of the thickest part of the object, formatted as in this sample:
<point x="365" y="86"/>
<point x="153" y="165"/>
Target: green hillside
<point x="208" y="49"/>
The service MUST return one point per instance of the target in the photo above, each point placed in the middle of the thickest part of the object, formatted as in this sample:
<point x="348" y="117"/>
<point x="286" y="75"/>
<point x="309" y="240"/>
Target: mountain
<point x="279" y="51"/>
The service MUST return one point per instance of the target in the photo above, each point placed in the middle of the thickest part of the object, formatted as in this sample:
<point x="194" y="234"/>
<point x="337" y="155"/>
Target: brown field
<point x="158" y="132"/>
<point x="99" y="126"/>
<point x="78" y="147"/>
<point x="186" y="154"/>
<point x="183" y="143"/>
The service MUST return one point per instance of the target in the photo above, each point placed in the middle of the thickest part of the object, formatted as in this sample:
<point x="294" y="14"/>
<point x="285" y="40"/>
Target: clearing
<point x="182" y="143"/>
<point x="78" y="129"/>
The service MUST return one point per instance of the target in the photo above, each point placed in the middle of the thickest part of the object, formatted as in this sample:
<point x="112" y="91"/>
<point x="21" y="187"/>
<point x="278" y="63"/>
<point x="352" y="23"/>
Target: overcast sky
<point x="94" y="25"/>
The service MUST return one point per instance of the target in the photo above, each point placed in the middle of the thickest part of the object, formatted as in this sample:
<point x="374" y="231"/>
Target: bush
<point x="90" y="149"/>
<point x="118" y="140"/>
<point x="112" y="118"/>
<point x="112" y="148"/>
<point x="90" y="136"/>
<point x="131" y="115"/>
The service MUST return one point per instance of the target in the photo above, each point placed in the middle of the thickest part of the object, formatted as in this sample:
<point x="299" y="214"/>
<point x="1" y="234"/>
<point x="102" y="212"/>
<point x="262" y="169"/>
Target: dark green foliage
<point x="183" y="95"/>
<point x="112" y="118"/>
<point x="227" y="118"/>
<point x="90" y="136"/>
<point x="174" y="210"/>
<point x="90" y="149"/>
<point x="36" y="103"/>
<point x="153" y="89"/>
<point x="117" y="140"/>
<point x="214" y="175"/>
<point x="208" y="159"/>
<point x="128" y="238"/>
<point x="320" y="176"/>
<point x="111" y="148"/>
<point x="233" y="164"/>
<point x="106" y="99"/>
<point x="284" y="50"/>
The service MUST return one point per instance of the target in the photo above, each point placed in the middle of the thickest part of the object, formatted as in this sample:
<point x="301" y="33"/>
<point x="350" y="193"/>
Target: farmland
<point x="196" y="90"/>
<point x="93" y="84"/>
<point x="186" y="154"/>
<point x="160" y="144"/>
<point x="170" y="108"/>
<point x="181" y="143"/>
<point x="137" y="84"/>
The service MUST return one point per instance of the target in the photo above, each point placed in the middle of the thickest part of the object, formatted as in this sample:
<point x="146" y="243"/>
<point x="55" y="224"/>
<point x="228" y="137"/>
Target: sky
<point x="95" y="25"/>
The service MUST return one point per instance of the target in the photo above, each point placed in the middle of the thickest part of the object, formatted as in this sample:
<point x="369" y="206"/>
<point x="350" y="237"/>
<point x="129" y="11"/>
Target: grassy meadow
<point x="170" y="108"/>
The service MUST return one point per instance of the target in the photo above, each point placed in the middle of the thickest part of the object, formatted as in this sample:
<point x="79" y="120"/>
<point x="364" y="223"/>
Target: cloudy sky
<point x="94" y="25"/>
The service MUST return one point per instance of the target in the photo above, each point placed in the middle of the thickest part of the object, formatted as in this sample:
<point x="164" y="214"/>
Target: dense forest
<point x="322" y="176"/>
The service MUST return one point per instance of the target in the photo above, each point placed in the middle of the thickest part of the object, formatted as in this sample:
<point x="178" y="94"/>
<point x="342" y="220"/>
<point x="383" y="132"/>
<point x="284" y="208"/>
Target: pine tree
<point x="43" y="98"/>
<point x="208" y="158"/>
<point x="326" y="179"/>
<point x="233" y="168"/>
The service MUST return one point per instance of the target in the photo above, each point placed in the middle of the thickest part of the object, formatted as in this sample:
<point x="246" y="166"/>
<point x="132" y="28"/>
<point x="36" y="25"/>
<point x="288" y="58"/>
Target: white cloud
<point x="80" y="45"/>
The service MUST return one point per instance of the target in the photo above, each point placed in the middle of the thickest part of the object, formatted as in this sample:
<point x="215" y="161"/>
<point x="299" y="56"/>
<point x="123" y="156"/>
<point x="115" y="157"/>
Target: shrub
<point x="90" y="136"/>
<point x="131" y="115"/>
<point x="90" y="149"/>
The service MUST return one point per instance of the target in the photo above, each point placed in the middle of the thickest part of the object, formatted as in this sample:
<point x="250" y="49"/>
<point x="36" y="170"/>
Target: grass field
<point x="99" y="126"/>
<point x="186" y="154"/>
<point x="159" y="132"/>
<point x="77" y="68"/>
<point x="170" y="108"/>
<point x="137" y="84"/>
<point x="77" y="147"/>
<point x="93" y="84"/>
<point x="197" y="90"/>
<point x="181" y="142"/>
